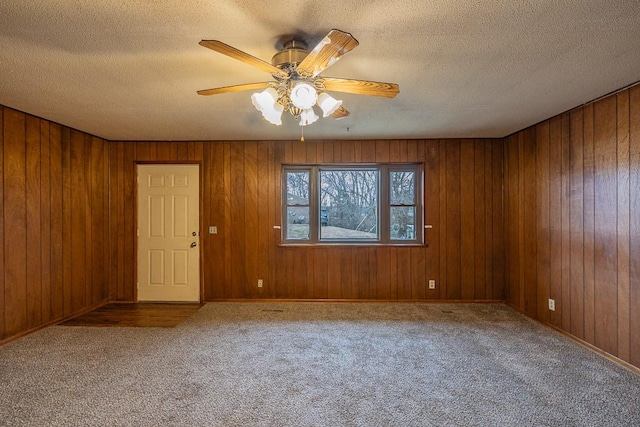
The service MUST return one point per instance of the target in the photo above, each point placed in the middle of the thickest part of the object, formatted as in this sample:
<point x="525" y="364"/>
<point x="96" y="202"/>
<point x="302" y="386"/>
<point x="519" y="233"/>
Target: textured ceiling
<point x="129" y="70"/>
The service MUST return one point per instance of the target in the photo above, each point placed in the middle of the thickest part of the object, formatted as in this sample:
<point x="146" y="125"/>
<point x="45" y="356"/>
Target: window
<point x="372" y="204"/>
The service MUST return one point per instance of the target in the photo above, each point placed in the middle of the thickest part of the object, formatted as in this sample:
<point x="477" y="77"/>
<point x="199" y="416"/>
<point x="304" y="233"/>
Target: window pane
<point x="350" y="200"/>
<point x="403" y="223"/>
<point x="298" y="188"/>
<point x="297" y="222"/>
<point x="402" y="185"/>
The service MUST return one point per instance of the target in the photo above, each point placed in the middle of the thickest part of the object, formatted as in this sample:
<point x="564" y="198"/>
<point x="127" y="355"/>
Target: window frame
<point x="383" y="204"/>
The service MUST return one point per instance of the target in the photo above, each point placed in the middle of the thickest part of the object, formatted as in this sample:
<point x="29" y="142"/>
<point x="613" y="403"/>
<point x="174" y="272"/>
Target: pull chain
<point x="302" y="134"/>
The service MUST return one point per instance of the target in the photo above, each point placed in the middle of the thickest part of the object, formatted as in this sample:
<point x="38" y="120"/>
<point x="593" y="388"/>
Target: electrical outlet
<point x="432" y="284"/>
<point x="213" y="229"/>
<point x="259" y="283"/>
<point x="552" y="304"/>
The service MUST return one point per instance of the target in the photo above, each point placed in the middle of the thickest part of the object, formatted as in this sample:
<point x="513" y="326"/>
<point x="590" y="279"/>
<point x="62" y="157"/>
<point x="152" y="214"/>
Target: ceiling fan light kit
<point x="298" y="86"/>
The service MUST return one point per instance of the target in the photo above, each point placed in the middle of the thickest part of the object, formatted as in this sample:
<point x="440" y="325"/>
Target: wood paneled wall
<point x="53" y="222"/>
<point x="241" y="196"/>
<point x="572" y="218"/>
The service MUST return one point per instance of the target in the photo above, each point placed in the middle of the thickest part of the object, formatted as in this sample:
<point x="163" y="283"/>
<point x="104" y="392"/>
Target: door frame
<point x="135" y="219"/>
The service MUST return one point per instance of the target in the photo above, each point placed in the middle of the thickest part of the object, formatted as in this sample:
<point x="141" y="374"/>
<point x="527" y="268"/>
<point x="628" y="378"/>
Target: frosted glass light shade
<point x="266" y="103"/>
<point x="328" y="104"/>
<point x="308" y="116"/>
<point x="303" y="95"/>
<point x="264" y="99"/>
<point x="273" y="114"/>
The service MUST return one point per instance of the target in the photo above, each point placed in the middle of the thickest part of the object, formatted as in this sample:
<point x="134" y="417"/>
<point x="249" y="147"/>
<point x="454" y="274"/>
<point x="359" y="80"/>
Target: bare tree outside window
<point x="298" y="184"/>
<point x="350" y="200"/>
<point x="297" y="212"/>
<point x="402" y="204"/>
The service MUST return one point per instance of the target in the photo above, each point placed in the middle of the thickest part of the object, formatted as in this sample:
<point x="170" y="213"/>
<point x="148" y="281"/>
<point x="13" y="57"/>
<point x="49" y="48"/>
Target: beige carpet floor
<point x="316" y="364"/>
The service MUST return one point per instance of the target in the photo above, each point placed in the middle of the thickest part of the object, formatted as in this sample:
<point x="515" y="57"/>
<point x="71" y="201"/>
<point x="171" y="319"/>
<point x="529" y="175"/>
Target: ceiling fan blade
<point x="361" y="87"/>
<point x="236" y="88"/>
<point x="326" y="53"/>
<point x="234" y="53"/>
<point x="340" y="113"/>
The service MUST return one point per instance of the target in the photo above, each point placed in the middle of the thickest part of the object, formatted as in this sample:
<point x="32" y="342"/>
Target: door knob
<point x="193" y="244"/>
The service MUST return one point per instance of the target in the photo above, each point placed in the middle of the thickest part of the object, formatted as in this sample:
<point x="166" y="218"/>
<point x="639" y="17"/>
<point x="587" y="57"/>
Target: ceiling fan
<point x="297" y="85"/>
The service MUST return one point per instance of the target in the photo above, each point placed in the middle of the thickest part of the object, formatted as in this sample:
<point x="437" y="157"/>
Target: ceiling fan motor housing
<point x="293" y="53"/>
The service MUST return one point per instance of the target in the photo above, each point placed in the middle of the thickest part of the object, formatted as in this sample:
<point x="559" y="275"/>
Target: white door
<point x="168" y="233"/>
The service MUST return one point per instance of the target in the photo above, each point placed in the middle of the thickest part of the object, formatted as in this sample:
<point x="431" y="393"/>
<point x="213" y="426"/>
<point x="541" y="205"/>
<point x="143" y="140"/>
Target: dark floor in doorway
<point x="158" y="315"/>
